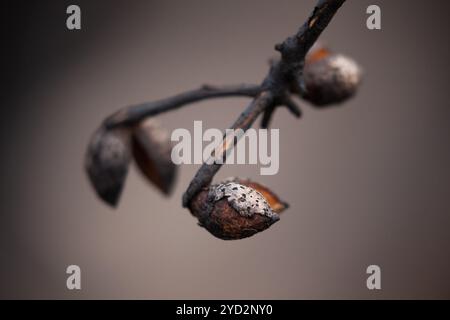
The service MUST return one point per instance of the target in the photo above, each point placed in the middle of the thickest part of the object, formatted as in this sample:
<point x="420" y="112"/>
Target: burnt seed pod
<point x="107" y="161"/>
<point x="330" y="78"/>
<point x="233" y="210"/>
<point x="152" y="152"/>
<point x="275" y="203"/>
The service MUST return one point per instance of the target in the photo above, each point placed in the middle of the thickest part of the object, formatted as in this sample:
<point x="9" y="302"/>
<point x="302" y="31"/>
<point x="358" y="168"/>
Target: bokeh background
<point x="368" y="182"/>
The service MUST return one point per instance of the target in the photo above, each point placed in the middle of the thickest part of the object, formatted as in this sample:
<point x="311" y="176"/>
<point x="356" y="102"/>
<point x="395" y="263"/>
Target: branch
<point x="294" y="49"/>
<point x="278" y="81"/>
<point x="205" y="174"/>
<point x="135" y="113"/>
<point x="289" y="103"/>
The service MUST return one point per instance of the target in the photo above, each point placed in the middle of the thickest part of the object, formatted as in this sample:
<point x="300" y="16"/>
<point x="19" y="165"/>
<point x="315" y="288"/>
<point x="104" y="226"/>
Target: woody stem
<point x="276" y="85"/>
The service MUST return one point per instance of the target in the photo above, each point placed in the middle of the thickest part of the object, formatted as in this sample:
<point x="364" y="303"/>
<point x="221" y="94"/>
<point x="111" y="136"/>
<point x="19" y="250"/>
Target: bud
<point x="233" y="210"/>
<point x="107" y="161"/>
<point x="330" y="78"/>
<point x="152" y="147"/>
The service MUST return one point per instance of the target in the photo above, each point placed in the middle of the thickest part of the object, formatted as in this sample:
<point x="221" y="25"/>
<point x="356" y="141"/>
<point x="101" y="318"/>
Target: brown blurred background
<point x="368" y="182"/>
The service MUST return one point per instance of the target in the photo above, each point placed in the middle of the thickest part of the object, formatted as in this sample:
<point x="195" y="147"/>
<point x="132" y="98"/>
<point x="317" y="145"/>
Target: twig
<point x="135" y="113"/>
<point x="275" y="86"/>
<point x="294" y="49"/>
<point x="206" y="172"/>
<point x="289" y="103"/>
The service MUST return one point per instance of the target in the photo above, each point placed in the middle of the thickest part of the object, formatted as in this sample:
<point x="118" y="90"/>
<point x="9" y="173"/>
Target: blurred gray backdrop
<point x="368" y="182"/>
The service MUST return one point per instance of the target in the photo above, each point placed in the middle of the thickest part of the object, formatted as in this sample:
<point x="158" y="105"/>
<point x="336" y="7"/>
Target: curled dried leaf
<point x="151" y="148"/>
<point x="107" y="161"/>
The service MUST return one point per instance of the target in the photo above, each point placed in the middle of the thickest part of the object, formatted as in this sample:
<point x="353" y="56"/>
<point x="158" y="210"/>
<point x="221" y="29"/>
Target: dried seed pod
<point x="152" y="152"/>
<point x="231" y="210"/>
<point x="107" y="161"/>
<point x="274" y="201"/>
<point x="330" y="78"/>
